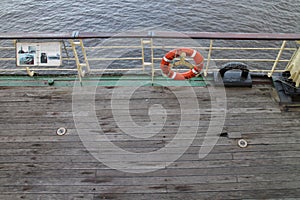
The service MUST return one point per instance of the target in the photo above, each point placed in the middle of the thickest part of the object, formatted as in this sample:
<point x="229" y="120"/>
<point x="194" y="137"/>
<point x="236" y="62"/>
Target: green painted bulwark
<point x="104" y="80"/>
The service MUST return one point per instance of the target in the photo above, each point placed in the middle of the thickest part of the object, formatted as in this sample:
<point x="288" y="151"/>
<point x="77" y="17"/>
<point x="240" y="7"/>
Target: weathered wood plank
<point x="77" y="148"/>
<point x="35" y="163"/>
<point x="256" y="194"/>
<point x="168" y="172"/>
<point x="162" y="188"/>
<point x="46" y="196"/>
<point x="186" y="165"/>
<point x="70" y="148"/>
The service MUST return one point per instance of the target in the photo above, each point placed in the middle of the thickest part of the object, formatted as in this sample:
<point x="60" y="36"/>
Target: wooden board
<point x="35" y="163"/>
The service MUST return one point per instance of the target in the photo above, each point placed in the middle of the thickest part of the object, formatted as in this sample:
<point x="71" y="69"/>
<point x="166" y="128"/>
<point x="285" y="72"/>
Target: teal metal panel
<point x="68" y="81"/>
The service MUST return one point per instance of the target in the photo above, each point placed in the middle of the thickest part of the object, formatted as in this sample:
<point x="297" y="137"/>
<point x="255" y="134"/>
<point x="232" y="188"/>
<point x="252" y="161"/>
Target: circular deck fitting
<point x="242" y="143"/>
<point x="61" y="131"/>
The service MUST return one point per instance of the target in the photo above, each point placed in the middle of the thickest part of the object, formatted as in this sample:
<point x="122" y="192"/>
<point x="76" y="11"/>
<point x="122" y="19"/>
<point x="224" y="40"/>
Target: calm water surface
<point x="178" y="15"/>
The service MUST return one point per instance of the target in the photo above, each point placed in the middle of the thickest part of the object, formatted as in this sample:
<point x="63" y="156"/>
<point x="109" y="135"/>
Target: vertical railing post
<point x="152" y="60"/>
<point x="208" y="57"/>
<point x="79" y="69"/>
<point x="85" y="56"/>
<point x="143" y="44"/>
<point x="277" y="59"/>
<point x="143" y="53"/>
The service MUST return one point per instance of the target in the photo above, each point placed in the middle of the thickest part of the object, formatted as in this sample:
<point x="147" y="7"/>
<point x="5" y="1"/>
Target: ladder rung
<point x="76" y="43"/>
<point x="82" y="65"/>
<point x="148" y="63"/>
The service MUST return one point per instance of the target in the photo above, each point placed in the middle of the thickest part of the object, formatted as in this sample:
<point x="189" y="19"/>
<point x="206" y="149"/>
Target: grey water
<point x="254" y="16"/>
<point x="180" y="15"/>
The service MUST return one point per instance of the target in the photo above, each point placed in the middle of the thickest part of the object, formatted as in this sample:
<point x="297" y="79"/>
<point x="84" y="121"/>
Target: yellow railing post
<point x="143" y="54"/>
<point x="143" y="44"/>
<point x="208" y="57"/>
<point x="79" y="69"/>
<point x="277" y="59"/>
<point x="85" y="56"/>
<point x="79" y="65"/>
<point x="152" y="60"/>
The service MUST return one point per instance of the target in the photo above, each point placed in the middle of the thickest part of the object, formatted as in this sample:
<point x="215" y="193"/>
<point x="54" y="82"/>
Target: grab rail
<point x="152" y="34"/>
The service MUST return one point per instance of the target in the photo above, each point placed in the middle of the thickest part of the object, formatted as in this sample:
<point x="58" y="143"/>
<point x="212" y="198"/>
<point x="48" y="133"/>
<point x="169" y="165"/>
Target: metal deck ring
<point x="242" y="143"/>
<point x="61" y="131"/>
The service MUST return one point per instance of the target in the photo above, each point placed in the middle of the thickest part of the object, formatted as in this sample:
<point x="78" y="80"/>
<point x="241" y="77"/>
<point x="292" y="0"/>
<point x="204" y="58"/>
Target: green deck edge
<point x="104" y="80"/>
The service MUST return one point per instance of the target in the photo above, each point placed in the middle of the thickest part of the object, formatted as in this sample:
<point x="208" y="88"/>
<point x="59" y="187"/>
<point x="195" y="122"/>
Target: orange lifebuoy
<point x="165" y="64"/>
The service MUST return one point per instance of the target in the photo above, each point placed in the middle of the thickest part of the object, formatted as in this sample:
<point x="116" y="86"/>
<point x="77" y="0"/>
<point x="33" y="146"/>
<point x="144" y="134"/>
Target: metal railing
<point x="142" y="51"/>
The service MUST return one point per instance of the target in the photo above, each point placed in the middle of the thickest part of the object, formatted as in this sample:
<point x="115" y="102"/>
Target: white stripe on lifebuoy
<point x="195" y="72"/>
<point x="174" y="75"/>
<point x="194" y="54"/>
<point x="167" y="60"/>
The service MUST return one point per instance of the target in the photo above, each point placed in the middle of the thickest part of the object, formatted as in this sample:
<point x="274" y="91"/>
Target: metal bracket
<point x="75" y="34"/>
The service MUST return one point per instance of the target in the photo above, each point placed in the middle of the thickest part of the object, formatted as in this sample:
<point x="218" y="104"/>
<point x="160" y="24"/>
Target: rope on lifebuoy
<point x="168" y="60"/>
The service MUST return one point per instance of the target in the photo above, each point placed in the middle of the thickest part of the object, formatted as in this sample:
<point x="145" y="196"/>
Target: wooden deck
<point x="35" y="163"/>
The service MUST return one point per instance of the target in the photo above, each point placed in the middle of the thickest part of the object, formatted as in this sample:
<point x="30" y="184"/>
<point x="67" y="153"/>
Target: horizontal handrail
<point x="200" y="48"/>
<point x="227" y="48"/>
<point x="153" y="34"/>
<point x="112" y="59"/>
